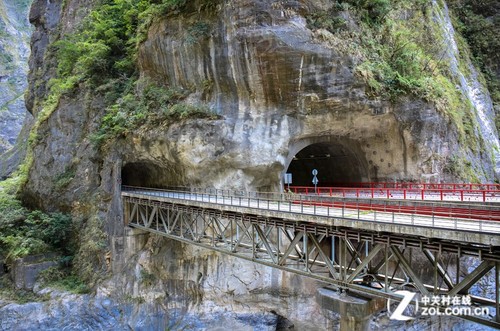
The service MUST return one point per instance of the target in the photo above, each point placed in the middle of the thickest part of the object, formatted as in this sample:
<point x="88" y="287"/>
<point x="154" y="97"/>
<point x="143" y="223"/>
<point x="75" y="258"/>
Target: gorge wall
<point x="14" y="52"/>
<point x="274" y="85"/>
<point x="277" y="87"/>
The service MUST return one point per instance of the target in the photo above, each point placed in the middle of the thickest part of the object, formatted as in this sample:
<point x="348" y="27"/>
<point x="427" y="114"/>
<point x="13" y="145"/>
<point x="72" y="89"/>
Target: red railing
<point x="469" y="195"/>
<point x="434" y="211"/>
<point x="411" y="185"/>
<point x="350" y="208"/>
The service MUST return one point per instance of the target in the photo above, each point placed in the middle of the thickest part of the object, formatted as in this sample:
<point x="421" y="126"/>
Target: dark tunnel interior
<point x="147" y="174"/>
<point x="336" y="164"/>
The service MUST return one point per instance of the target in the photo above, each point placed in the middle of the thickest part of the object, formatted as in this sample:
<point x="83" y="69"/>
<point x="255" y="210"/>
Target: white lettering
<point x="398" y="313"/>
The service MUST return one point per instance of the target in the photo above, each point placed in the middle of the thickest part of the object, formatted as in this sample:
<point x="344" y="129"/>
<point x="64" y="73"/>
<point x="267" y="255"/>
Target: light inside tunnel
<point x="337" y="165"/>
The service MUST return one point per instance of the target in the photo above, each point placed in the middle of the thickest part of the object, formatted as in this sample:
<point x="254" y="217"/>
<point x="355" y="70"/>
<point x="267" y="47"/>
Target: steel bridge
<point x="367" y="246"/>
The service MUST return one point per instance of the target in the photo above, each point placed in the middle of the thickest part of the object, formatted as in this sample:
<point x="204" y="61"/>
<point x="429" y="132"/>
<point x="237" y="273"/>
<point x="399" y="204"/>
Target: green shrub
<point x="8" y="292"/>
<point x="73" y="284"/>
<point x="63" y="279"/>
<point x="22" y="245"/>
<point x="52" y="275"/>
<point x="89" y="259"/>
<point x="371" y="11"/>
<point x="62" y="180"/>
<point x="24" y="232"/>
<point x="198" y="31"/>
<point x="461" y="168"/>
<point x="12" y="214"/>
<point x="152" y="106"/>
<point x="399" y="52"/>
<point x="147" y="279"/>
<point x="393" y="58"/>
<point x="103" y="53"/>
<point x="326" y="20"/>
<point x="53" y="228"/>
<point x="106" y="45"/>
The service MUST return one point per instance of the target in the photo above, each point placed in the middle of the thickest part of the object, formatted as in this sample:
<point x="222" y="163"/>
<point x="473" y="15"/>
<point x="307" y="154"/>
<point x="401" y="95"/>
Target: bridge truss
<point x="365" y="262"/>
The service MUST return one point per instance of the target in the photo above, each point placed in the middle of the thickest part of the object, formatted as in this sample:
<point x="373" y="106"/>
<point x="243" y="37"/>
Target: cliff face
<point x="278" y="87"/>
<point x="14" y="52"/>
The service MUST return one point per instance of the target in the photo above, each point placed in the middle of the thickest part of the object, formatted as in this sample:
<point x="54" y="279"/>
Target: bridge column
<point x="126" y="213"/>
<point x="355" y="311"/>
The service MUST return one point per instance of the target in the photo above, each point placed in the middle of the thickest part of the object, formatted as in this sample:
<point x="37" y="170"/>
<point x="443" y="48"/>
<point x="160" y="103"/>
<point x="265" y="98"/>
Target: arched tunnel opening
<point x="148" y="174"/>
<point x="337" y="164"/>
<point x="339" y="161"/>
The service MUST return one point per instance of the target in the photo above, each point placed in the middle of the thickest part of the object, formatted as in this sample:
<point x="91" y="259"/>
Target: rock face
<point x="188" y="279"/>
<point x="26" y="270"/>
<point x="279" y="89"/>
<point x="83" y="312"/>
<point x="14" y="53"/>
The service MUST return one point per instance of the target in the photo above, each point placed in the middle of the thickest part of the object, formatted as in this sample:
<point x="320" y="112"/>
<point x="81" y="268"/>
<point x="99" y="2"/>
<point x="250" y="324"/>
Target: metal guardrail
<point x="424" y="186"/>
<point x="467" y="217"/>
<point x="429" y="193"/>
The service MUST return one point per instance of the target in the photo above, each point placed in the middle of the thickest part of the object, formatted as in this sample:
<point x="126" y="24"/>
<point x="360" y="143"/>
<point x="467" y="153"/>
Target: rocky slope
<point x="14" y="52"/>
<point x="277" y="86"/>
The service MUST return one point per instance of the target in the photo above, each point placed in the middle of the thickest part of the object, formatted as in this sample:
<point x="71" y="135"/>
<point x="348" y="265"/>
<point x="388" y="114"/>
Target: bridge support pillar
<point x="355" y="311"/>
<point x="124" y="247"/>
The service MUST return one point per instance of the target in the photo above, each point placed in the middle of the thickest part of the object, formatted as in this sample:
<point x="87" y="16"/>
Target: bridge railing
<point x="424" y="186"/>
<point x="468" y="195"/>
<point x="318" y="204"/>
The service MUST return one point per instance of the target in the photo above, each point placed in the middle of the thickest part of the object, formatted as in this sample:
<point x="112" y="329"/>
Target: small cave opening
<point x="147" y="174"/>
<point x="337" y="164"/>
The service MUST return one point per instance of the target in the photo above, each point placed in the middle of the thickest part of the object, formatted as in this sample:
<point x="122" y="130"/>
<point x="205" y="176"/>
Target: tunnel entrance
<point x="338" y="164"/>
<point x="147" y="174"/>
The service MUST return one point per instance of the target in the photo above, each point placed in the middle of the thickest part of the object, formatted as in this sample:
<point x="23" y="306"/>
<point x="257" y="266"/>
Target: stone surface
<point x="355" y="311"/>
<point x="14" y="53"/>
<point x="66" y="311"/>
<point x="278" y="88"/>
<point x="349" y="306"/>
<point x="174" y="275"/>
<point x="26" y="270"/>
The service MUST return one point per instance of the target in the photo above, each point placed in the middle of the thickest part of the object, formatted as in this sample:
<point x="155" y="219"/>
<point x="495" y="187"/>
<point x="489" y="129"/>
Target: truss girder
<point x="310" y="250"/>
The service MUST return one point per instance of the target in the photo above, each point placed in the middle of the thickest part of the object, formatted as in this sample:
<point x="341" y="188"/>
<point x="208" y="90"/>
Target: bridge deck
<point x="479" y="223"/>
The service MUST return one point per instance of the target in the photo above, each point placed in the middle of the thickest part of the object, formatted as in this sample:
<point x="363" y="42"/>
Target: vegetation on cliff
<point x="401" y="52"/>
<point x="100" y="56"/>
<point x="103" y="55"/>
<point x="24" y="232"/>
<point x="479" y="23"/>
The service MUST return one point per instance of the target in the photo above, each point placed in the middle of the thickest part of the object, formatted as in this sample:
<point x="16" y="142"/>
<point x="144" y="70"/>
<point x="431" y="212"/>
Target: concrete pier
<point x="355" y="311"/>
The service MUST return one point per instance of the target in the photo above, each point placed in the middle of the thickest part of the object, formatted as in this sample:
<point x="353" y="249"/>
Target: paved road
<point x="438" y="222"/>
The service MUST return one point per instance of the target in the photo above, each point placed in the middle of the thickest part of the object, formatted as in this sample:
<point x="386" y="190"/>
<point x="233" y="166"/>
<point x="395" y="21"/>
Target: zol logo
<point x="398" y="313"/>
